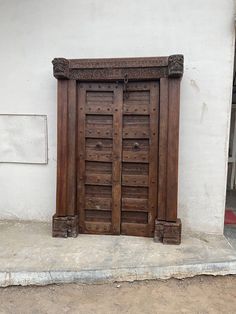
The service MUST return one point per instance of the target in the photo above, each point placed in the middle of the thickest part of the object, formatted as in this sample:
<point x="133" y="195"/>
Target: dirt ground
<point x="201" y="294"/>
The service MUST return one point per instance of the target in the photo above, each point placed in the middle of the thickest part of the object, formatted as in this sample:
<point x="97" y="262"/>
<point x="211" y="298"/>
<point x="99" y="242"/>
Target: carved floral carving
<point x="176" y="66"/>
<point x="117" y="74"/>
<point x="60" y="67"/>
<point x="119" y="63"/>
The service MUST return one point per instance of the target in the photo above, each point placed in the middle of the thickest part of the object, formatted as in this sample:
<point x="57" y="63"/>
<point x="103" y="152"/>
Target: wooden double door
<point x="117" y="149"/>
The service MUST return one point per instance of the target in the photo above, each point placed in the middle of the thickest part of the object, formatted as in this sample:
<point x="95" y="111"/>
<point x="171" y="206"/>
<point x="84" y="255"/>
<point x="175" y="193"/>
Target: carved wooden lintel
<point x="66" y="226"/>
<point x="116" y="69"/>
<point x="168" y="232"/>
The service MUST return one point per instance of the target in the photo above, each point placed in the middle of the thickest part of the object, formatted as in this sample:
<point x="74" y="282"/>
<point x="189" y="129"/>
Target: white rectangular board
<point x="23" y="139"/>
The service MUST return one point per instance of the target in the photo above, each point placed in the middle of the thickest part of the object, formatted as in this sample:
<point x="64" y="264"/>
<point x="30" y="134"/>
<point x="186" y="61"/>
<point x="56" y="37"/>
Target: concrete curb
<point x="96" y="276"/>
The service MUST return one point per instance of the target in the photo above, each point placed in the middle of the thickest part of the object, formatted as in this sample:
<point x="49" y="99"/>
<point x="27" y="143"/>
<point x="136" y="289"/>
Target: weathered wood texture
<point x="168" y="232"/>
<point x="116" y="69"/>
<point x="66" y="160"/>
<point x="117" y="170"/>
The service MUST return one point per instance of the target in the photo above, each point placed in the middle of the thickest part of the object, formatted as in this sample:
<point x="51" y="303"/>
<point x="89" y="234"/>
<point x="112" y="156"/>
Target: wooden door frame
<point x="167" y="70"/>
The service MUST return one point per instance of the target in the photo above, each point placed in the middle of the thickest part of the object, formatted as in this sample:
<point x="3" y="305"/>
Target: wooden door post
<point x="65" y="221"/>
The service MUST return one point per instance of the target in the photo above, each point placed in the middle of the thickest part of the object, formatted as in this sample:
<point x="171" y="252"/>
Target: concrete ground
<point x="230" y="230"/>
<point x="198" y="295"/>
<point x="29" y="255"/>
<point x="230" y="234"/>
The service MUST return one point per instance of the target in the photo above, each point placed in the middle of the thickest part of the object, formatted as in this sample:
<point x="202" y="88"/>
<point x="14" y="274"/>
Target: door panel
<point x="134" y="217"/>
<point x="98" y="126"/>
<point x="136" y="126"/>
<point x="99" y="148"/>
<point x="134" y="204"/>
<point x="135" y="150"/>
<point x="98" y="173"/>
<point x="99" y="102"/>
<point x="137" y="102"/>
<point x="139" y="159"/>
<point x="117" y="149"/>
<point x="134" y="174"/>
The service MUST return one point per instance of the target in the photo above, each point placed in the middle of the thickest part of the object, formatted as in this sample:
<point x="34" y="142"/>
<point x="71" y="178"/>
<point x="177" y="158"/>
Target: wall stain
<point x="203" y="111"/>
<point x="207" y="195"/>
<point x="194" y="84"/>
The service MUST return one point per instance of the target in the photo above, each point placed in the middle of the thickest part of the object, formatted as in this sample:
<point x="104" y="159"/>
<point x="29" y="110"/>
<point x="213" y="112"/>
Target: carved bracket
<point x="60" y="68"/>
<point x="175" y="66"/>
<point x="116" y="69"/>
<point x="168" y="232"/>
<point x="64" y="227"/>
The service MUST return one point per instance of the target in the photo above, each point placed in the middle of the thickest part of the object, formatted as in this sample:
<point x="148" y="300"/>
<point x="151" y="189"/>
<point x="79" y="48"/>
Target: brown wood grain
<point x="72" y="138"/>
<point x="163" y="142"/>
<point x="117" y="153"/>
<point x="136" y="126"/>
<point x="92" y="227"/>
<point x="98" y="179"/>
<point x="135" y="229"/>
<point x="153" y="159"/>
<point x="173" y="150"/>
<point x="61" y="202"/>
<point x="81" y="155"/>
<point x="139" y="168"/>
<point x="134" y="204"/>
<point x="99" y="203"/>
<point x="135" y="180"/>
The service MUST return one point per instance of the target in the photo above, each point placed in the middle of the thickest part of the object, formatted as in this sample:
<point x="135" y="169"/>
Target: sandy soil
<point x="196" y="295"/>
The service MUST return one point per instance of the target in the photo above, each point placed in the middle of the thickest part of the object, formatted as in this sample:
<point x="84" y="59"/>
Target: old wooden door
<point x="117" y="148"/>
<point x="117" y="157"/>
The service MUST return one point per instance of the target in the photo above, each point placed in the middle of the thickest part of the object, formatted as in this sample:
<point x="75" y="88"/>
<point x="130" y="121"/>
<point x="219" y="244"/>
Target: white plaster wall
<point x="33" y="32"/>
